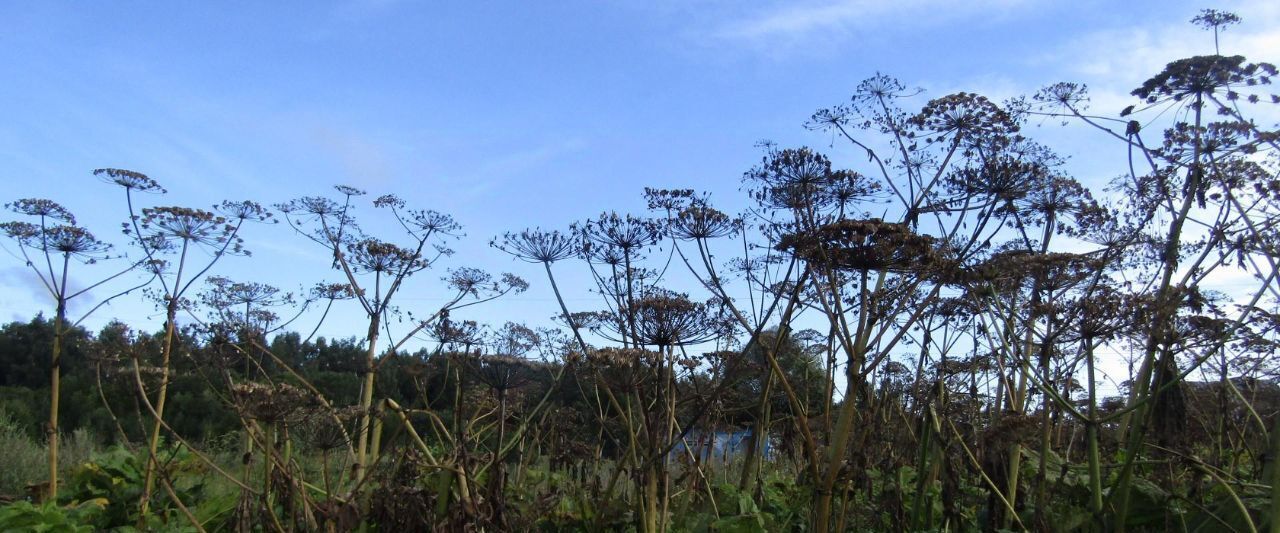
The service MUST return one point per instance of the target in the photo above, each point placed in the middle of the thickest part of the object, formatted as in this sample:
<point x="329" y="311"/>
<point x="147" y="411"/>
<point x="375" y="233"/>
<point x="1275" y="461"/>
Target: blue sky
<point x="508" y="114"/>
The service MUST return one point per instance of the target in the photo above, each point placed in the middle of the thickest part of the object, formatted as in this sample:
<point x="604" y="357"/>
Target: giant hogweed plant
<point x="173" y="240"/>
<point x="1200" y="198"/>
<point x="962" y="288"/>
<point x="51" y="243"/>
<point x="375" y="271"/>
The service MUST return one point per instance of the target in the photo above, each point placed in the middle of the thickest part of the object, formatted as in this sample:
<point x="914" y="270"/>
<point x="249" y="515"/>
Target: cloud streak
<point x="1119" y="59"/>
<point x="790" y="25"/>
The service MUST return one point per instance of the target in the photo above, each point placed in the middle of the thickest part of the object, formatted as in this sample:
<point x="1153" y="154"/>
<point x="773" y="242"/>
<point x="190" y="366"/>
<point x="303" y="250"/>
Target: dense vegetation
<point x="911" y="345"/>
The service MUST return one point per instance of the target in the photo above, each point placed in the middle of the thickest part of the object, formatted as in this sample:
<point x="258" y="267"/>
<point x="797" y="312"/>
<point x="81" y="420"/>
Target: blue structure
<point x="720" y="445"/>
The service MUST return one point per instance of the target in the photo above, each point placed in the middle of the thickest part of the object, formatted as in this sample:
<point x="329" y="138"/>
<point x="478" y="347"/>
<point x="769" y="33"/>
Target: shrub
<point x="22" y="462"/>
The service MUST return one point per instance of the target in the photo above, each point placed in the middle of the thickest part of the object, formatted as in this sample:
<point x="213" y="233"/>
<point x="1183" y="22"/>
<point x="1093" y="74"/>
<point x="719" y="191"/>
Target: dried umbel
<point x="1215" y="19"/>
<point x="977" y="363"/>
<point x="40" y="207"/>
<point x="964" y="115"/>
<point x="431" y="222"/>
<point x="474" y="281"/>
<point x="1068" y="205"/>
<point x="580" y="320"/>
<point x="244" y="210"/>
<point x="863" y="245"/>
<point x="1010" y="269"/>
<point x="272" y="403"/>
<point x="316" y="206"/>
<point x="327" y="431"/>
<point x="670" y="200"/>
<point x="243" y="304"/>
<point x="50" y="237"/>
<point x="221" y="344"/>
<point x="658" y="318"/>
<point x="1202" y="76"/>
<point x="538" y="246"/>
<point x="70" y="241"/>
<point x="880" y="87"/>
<point x="622" y="357"/>
<point x="332" y="291"/>
<point x="956" y="308"/>
<point x="1002" y="180"/>
<point x="605" y="255"/>
<point x="130" y="180"/>
<point x="1203" y="329"/>
<point x="1063" y="94"/>
<point x="1101" y="315"/>
<point x="871" y="104"/>
<point x="164" y="226"/>
<point x="74" y="241"/>
<point x="514" y="339"/>
<point x="224" y="292"/>
<point x="500" y="372"/>
<point x="372" y="255"/>
<point x="23" y="232"/>
<point x="466" y="333"/>
<point x="1188" y="145"/>
<point x="1260" y="335"/>
<point x="348" y="191"/>
<point x="625" y="233"/>
<point x="670" y="319"/>
<point x="701" y="222"/>
<point x="419" y="223"/>
<point x="802" y="179"/>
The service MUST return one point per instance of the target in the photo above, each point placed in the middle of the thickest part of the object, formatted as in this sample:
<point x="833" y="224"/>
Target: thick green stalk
<point x="1095" y="460"/>
<point x="366" y="400"/>
<point x="839" y="440"/>
<point x="171" y="315"/>
<point x="55" y="388"/>
<point x="1046" y="429"/>
<point x="1165" y="312"/>
<point x="751" y="464"/>
<point x="1271" y="475"/>
<point x="921" y="508"/>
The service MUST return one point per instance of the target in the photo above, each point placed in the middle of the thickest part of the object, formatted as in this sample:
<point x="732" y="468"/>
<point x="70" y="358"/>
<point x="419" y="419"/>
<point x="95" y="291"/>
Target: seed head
<point x="348" y="190"/>
<point x="863" y="245"/>
<point x="373" y="255"/>
<point x="244" y="210"/>
<point x="130" y="180"/>
<point x="964" y="114"/>
<point x="40" y="207"/>
<point x="538" y="246"/>
<point x="1203" y="76"/>
<point x="332" y="291"/>
<point x="700" y="222"/>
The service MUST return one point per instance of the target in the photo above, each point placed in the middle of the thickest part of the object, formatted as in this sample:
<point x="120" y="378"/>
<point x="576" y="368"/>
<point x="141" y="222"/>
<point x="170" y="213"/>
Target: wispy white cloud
<point x="789" y="25"/>
<point x="519" y="163"/>
<point x="533" y="157"/>
<point x="1115" y="60"/>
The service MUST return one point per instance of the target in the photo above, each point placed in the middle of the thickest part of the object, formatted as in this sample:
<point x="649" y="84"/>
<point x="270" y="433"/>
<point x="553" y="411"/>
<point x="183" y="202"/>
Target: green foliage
<point x="50" y="518"/>
<point x="22" y="462"/>
<point x="743" y="515"/>
<point x="114" y="479"/>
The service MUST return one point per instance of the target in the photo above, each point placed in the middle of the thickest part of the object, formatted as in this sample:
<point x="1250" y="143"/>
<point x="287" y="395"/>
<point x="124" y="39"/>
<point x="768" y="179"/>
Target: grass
<point x="23" y="461"/>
